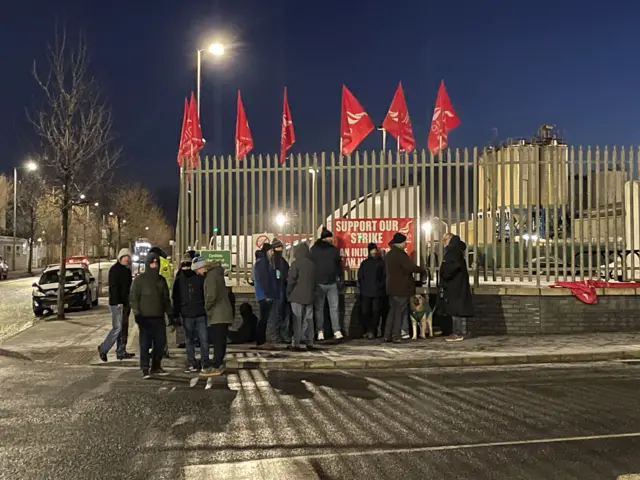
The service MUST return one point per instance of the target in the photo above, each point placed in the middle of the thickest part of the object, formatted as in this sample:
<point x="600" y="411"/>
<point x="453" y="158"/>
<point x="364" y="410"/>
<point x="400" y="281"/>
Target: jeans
<point x="456" y="325"/>
<point x="196" y="327"/>
<point x="329" y="293"/>
<point x="371" y="311"/>
<point x="398" y="313"/>
<point x="284" y="321"/>
<point x="219" y="342"/>
<point x="153" y="333"/>
<point x="117" y="334"/>
<point x="265" y="311"/>
<point x="302" y="324"/>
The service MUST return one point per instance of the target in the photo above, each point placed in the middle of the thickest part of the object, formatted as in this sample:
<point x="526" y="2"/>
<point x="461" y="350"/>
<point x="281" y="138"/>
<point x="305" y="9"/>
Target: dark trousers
<point x="124" y="333"/>
<point x="219" y="341"/>
<point x="265" y="311"/>
<point x="153" y="333"/>
<point x="371" y="310"/>
<point x="398" y="311"/>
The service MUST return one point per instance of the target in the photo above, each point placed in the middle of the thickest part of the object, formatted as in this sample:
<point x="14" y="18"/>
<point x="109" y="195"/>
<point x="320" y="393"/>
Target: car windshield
<point x="53" y="276"/>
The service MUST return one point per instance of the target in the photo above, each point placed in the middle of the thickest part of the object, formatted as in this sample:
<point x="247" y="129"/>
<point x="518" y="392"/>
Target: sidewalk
<point x="74" y="342"/>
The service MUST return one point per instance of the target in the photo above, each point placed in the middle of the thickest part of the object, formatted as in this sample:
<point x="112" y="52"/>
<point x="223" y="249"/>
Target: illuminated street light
<point x="216" y="49"/>
<point x="281" y="220"/>
<point x="31" y="166"/>
<point x="427" y="227"/>
<point x="82" y="196"/>
<point x="111" y="214"/>
<point x="146" y="228"/>
<point x="97" y="204"/>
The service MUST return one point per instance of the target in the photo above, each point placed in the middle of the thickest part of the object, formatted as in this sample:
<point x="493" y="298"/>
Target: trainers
<point x="103" y="356"/>
<point x="159" y="371"/>
<point x="454" y="338"/>
<point x="191" y="369"/>
<point x="338" y="335"/>
<point x="320" y="336"/>
<point x="405" y="335"/>
<point x="145" y="374"/>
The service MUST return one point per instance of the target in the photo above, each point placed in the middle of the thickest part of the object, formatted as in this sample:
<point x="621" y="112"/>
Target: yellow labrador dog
<point x="421" y="312"/>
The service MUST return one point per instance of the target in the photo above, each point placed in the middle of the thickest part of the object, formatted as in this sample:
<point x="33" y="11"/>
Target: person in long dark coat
<point x="456" y="291"/>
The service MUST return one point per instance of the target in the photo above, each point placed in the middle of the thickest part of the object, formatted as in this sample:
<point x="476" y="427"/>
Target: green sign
<point x="221" y="256"/>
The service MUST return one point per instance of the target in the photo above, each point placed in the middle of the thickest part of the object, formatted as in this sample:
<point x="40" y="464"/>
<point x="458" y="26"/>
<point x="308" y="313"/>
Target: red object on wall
<point x="585" y="290"/>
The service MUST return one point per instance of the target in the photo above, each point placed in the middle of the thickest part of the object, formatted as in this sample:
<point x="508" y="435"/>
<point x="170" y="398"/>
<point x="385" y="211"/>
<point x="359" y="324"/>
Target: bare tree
<point x="6" y="187"/>
<point x="30" y="194"/>
<point x="74" y="125"/>
<point x="143" y="217"/>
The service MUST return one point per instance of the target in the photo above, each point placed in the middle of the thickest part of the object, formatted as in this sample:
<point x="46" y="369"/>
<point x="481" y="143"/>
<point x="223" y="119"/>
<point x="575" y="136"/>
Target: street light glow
<point x="146" y="228"/>
<point x="281" y="220"/>
<point x="97" y="204"/>
<point x="427" y="227"/>
<point x="124" y="221"/>
<point x="82" y="196"/>
<point x="111" y="214"/>
<point x="216" y="49"/>
<point x="31" y="166"/>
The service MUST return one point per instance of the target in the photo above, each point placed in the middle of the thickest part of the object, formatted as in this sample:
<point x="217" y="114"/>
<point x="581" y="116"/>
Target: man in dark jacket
<point x="454" y="278"/>
<point x="264" y="284"/>
<point x="119" y="285"/>
<point x="150" y="304"/>
<point x="301" y="290"/>
<point x="371" y="281"/>
<point x="328" y="273"/>
<point x="281" y="306"/>
<point x="401" y="286"/>
<point x="218" y="307"/>
<point x="188" y="304"/>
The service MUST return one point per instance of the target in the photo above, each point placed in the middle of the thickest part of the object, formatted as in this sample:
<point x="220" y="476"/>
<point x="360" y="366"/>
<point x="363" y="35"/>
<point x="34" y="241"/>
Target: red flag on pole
<point x="444" y="119"/>
<point x="355" y="123"/>
<point x="244" y="141"/>
<point x="397" y="121"/>
<point x="287" y="135"/>
<point x="196" y="138"/>
<point x="183" y="139"/>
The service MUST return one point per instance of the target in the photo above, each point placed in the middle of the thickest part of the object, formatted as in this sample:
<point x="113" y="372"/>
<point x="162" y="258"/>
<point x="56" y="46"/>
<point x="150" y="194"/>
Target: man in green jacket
<point x="150" y="303"/>
<point x="218" y="307"/>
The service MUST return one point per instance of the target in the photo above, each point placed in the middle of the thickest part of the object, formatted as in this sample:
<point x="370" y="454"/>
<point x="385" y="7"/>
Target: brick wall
<point x="507" y="314"/>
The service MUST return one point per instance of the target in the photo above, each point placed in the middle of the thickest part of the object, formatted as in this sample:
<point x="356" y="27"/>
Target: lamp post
<point x="314" y="173"/>
<point x="215" y="49"/>
<point x="30" y="166"/>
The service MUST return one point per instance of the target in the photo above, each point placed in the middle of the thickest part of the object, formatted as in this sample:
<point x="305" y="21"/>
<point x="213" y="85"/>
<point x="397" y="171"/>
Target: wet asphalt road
<point x="16" y="312"/>
<point x="517" y="423"/>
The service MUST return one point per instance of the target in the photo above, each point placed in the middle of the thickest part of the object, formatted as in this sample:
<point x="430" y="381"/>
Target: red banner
<point x="352" y="236"/>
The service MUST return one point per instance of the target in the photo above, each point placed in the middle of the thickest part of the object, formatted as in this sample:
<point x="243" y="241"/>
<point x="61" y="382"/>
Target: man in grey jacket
<point x="219" y="311"/>
<point x="301" y="288"/>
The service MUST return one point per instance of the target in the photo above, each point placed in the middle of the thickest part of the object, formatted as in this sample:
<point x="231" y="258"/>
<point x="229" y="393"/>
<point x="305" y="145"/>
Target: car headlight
<point x="136" y="258"/>
<point x="80" y="289"/>
<point x="38" y="293"/>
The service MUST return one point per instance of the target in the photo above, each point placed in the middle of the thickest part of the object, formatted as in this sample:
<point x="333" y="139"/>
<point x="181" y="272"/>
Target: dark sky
<point x="510" y="65"/>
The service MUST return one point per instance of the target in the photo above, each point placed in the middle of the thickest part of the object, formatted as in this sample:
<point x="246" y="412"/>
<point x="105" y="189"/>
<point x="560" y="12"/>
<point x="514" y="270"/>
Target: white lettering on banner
<point x="356" y="225"/>
<point x="365" y="237"/>
<point x="389" y="226"/>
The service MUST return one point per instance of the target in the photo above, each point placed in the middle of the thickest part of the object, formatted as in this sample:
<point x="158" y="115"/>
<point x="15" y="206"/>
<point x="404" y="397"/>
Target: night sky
<point x="508" y="65"/>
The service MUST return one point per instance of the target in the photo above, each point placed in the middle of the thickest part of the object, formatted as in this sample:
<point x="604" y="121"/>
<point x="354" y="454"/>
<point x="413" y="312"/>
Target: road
<point x="530" y="423"/>
<point x="16" y="312"/>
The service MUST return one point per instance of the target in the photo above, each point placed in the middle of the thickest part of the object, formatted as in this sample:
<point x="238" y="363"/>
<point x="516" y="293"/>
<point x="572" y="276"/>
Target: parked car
<point x="78" y="260"/>
<point x="80" y="290"/>
<point x="4" y="269"/>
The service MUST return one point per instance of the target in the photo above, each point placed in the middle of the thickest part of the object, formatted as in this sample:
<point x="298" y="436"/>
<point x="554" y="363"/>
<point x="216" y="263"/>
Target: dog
<point x="421" y="311"/>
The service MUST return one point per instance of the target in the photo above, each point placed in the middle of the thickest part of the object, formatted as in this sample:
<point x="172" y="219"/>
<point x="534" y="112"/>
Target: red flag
<point x="192" y="141"/>
<point x="183" y="140"/>
<point x="397" y="121"/>
<point x="287" y="135"/>
<point x="444" y="119"/>
<point x="355" y="123"/>
<point x="244" y="141"/>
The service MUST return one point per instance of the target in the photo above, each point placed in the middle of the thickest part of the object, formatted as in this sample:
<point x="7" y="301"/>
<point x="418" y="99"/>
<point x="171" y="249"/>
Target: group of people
<point x="300" y="291"/>
<point x="388" y="283"/>
<point x="198" y="300"/>
<point x="296" y="291"/>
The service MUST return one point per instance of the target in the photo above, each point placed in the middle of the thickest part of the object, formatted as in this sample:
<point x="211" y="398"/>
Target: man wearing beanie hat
<point x="120" y="279"/>
<point x="279" y="328"/>
<point x="328" y="273"/>
<point x="371" y="282"/>
<point x="400" y="286"/>
<point x="264" y="283"/>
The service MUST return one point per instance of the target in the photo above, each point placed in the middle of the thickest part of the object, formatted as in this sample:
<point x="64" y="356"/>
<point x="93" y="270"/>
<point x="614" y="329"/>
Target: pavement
<point x="541" y="422"/>
<point x="74" y="342"/>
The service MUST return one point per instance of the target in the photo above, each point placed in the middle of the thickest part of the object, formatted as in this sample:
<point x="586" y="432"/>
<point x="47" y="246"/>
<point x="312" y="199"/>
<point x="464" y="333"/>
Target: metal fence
<point x="528" y="213"/>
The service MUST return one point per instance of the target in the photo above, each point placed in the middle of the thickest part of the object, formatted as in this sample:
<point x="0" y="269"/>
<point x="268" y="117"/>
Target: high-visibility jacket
<point x="166" y="270"/>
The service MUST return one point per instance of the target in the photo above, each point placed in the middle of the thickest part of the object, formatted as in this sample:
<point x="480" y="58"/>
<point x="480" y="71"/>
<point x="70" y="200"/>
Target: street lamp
<point x="217" y="50"/>
<point x="314" y="175"/>
<point x="29" y="166"/>
<point x="281" y="220"/>
<point x="83" y="196"/>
